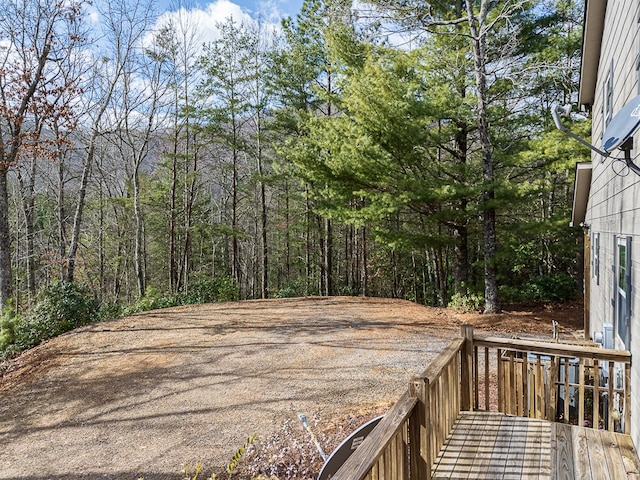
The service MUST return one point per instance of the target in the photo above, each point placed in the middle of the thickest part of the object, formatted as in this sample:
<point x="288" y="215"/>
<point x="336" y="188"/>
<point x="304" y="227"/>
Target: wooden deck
<point x="431" y="431"/>
<point x="495" y="446"/>
<point x="586" y="453"/>
<point x="488" y="445"/>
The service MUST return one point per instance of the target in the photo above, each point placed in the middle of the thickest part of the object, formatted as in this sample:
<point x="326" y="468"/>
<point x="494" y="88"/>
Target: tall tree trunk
<point x="62" y="234"/>
<point x="173" y="263"/>
<point x="328" y="257"/>
<point x="139" y="257"/>
<point x="28" y="206"/>
<point x="263" y="216"/>
<point x="77" y="218"/>
<point x="235" y="261"/>
<point x="5" y="241"/>
<point x="364" y="276"/>
<point x="307" y="242"/>
<point x="479" y="41"/>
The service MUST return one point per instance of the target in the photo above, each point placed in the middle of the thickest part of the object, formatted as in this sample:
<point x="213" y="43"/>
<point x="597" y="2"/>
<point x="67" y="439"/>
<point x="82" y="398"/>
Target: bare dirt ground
<point x="139" y="396"/>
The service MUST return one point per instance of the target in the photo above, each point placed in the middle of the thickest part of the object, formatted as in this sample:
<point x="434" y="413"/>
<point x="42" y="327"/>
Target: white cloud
<point x="205" y="20"/>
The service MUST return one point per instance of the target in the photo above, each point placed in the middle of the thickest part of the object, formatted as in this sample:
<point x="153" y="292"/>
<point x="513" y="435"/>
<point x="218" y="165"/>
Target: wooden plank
<point x="629" y="456"/>
<point x="615" y="462"/>
<point x="550" y="413"/>
<point x="581" y="393"/>
<point x="627" y="399"/>
<point x="562" y="461"/>
<point x="525" y="386"/>
<point x="548" y="348"/>
<point x="582" y="455"/>
<point x="511" y="394"/>
<point x="476" y="380"/>
<point x="567" y="392"/>
<point x="503" y="428"/>
<point x="540" y="385"/>
<point x="610" y="426"/>
<point x="596" y="394"/>
<point x="487" y="404"/>
<point x="466" y="368"/>
<point x="419" y="440"/>
<point x="500" y="385"/>
<point x="444" y="358"/>
<point x="595" y="452"/>
<point x="482" y="439"/>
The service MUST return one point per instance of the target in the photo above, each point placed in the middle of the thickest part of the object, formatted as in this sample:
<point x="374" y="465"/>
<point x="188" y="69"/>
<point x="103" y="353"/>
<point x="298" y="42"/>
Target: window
<point x="622" y="289"/>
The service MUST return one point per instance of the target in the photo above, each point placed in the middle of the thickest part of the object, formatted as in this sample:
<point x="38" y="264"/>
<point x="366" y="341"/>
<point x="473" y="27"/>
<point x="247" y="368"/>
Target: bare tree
<point x="125" y="23"/>
<point x="35" y="35"/>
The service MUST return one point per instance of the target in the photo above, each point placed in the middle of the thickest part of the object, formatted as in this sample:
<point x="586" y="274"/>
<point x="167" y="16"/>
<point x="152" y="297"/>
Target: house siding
<point x="614" y="206"/>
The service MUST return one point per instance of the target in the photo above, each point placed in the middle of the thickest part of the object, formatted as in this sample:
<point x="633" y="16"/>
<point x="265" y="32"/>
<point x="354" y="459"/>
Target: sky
<point x="266" y="8"/>
<point x="207" y="14"/>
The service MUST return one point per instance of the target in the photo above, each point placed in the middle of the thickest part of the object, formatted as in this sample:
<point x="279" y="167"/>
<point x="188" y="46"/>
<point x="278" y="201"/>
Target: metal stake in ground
<point x="305" y="424"/>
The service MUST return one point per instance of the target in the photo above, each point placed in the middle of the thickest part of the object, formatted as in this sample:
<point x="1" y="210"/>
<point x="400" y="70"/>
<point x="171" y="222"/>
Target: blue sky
<point x="278" y="8"/>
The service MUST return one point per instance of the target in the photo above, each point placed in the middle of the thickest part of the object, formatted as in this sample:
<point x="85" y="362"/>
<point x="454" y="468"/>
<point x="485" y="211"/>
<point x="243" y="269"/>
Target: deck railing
<point x="548" y="380"/>
<point x="580" y="385"/>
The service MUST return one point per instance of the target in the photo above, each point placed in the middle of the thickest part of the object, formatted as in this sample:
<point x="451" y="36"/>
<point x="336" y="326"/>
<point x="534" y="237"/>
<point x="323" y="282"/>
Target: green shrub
<point x="60" y="308"/>
<point x="292" y="290"/>
<point x="208" y="290"/>
<point x="109" y="310"/>
<point x="152" y="300"/>
<point x="556" y="287"/>
<point x="225" y="289"/>
<point x="9" y="326"/>
<point x="471" y="302"/>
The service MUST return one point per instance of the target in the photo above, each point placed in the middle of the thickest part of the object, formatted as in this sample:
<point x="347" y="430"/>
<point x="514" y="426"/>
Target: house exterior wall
<point x="613" y="210"/>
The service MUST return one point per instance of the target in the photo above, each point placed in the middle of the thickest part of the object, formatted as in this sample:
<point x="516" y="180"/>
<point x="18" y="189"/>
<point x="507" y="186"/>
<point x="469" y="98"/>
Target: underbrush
<point x="65" y="306"/>
<point x="58" y="309"/>
<point x="289" y="453"/>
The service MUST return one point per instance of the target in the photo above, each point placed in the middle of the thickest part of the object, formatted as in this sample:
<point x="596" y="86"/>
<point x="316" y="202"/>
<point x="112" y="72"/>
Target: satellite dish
<point x="618" y="133"/>
<point x="622" y="126"/>
<point x="346" y="449"/>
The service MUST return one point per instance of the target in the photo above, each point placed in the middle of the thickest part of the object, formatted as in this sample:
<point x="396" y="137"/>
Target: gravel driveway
<point x="140" y="396"/>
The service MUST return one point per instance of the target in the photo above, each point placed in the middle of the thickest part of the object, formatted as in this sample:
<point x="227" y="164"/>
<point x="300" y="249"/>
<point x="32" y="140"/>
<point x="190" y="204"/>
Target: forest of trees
<point x="399" y="149"/>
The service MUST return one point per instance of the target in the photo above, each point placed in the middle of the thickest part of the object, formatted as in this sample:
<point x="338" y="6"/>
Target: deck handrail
<point x="550" y="348"/>
<point x="406" y="441"/>
<point x="374" y="447"/>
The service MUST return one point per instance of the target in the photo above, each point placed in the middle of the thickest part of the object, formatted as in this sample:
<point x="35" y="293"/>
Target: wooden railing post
<point x="420" y="460"/>
<point x="466" y="369"/>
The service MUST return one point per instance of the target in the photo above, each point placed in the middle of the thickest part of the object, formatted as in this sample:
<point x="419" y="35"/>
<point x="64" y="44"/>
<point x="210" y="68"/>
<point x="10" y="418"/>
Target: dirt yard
<point x="139" y="396"/>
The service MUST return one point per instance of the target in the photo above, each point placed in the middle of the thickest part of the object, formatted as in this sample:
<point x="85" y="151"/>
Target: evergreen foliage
<point x="342" y="154"/>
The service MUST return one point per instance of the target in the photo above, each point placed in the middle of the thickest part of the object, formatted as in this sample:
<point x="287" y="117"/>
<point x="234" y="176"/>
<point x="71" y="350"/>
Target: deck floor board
<point x="488" y="445"/>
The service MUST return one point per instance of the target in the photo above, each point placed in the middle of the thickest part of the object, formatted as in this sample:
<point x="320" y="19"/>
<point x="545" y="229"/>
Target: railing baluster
<point x="476" y="393"/>
<point x="596" y="394"/>
<point x="627" y="398"/>
<point x="610" y="402"/>
<point x="487" y="403"/>
<point x="567" y="395"/>
<point x="524" y="397"/>
<point x="581" y="393"/>
<point x="500" y="385"/>
<point x="551" y="413"/>
<point x="540" y="390"/>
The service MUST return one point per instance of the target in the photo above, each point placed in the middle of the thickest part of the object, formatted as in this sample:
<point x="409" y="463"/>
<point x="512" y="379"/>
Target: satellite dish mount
<point x="618" y="134"/>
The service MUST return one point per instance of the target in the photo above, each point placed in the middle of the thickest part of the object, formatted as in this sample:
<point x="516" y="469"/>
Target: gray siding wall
<point x="614" y="203"/>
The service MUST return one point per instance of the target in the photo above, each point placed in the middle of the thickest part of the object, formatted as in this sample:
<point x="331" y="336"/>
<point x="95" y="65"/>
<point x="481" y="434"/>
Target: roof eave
<point x="581" y="189"/>
<point x="594" y="15"/>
